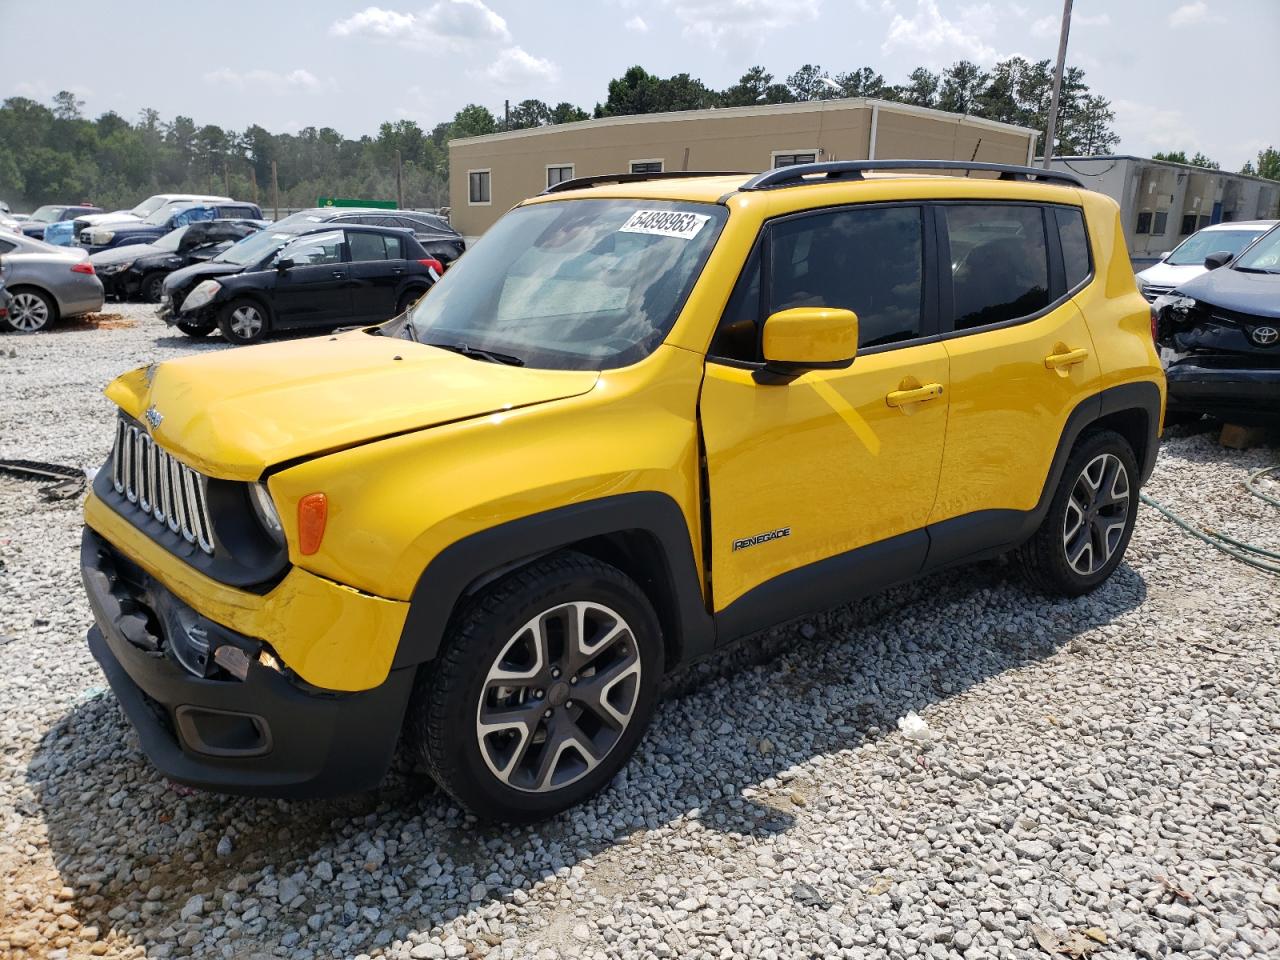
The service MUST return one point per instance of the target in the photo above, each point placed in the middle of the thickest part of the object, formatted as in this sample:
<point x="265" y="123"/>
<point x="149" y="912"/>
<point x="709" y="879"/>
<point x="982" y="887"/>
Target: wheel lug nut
<point x="538" y="694"/>
<point x="547" y="714"/>
<point x="555" y="672"/>
<point x="568" y="704"/>
<point x="573" y="680"/>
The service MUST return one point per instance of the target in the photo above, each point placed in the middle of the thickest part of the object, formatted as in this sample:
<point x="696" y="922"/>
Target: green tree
<point x="568" y="113"/>
<point x="1172" y="156"/>
<point x="473" y="121"/>
<point x="1268" y="165"/>
<point x="755" y="86"/>
<point x="636" y="91"/>
<point x="529" y="113"/>
<point x="811" y="82"/>
<point x="921" y="88"/>
<point x="963" y="84"/>
<point x="863" y="82"/>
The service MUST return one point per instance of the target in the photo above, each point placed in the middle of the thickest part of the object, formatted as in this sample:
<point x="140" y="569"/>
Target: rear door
<point x="377" y="268"/>
<point x="314" y="291"/>
<point x="1021" y="359"/>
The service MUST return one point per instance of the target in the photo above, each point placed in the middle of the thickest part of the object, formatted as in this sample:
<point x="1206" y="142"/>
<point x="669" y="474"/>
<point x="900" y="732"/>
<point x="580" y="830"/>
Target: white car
<point x="144" y="209"/>
<point x="1186" y="260"/>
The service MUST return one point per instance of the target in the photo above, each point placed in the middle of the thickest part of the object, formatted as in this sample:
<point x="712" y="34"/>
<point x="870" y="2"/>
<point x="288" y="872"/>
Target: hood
<point x="124" y="254"/>
<point x="1257" y="294"/>
<point x="189" y="276"/>
<point x="1168" y="275"/>
<point x="119" y="216"/>
<point x="132" y="228"/>
<point x="233" y="413"/>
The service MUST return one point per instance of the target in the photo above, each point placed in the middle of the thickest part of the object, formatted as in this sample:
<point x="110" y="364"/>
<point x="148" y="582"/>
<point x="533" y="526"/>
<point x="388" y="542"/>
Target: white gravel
<point x="1106" y="764"/>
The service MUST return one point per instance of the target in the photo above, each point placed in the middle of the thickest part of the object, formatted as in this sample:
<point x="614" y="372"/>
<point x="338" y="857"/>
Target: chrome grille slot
<point x="163" y="488"/>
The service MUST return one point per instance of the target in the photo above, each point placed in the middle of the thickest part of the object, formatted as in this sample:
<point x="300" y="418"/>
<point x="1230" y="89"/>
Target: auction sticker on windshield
<point x="665" y="223"/>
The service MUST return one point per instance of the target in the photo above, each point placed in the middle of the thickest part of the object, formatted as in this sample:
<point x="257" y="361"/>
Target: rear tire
<point x="515" y="719"/>
<point x="243" y="321"/>
<point x="407" y="300"/>
<point x="32" y="310"/>
<point x="151" y="287"/>
<point x="196" y="329"/>
<point x="1083" y="537"/>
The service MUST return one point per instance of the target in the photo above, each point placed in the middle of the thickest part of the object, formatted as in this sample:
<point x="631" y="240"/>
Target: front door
<point x="820" y="486"/>
<point x="315" y="290"/>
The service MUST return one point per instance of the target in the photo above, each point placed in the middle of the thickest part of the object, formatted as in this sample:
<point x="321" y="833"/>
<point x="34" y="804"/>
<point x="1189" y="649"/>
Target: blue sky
<point x="1182" y="74"/>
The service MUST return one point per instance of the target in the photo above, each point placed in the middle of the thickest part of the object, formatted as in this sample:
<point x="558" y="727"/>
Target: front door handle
<point x="338" y="274"/>
<point x="899" y="398"/>
<point x="1065" y="358"/>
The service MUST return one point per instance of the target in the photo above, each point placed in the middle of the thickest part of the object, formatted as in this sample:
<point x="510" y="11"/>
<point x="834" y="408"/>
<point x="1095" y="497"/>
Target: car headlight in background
<point x="113" y="268"/>
<point x="104" y="236"/>
<point x="204" y="292"/>
<point x="265" y="508"/>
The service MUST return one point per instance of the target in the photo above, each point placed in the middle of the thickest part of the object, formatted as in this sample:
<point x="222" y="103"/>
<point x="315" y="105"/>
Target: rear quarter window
<point x="1075" y="245"/>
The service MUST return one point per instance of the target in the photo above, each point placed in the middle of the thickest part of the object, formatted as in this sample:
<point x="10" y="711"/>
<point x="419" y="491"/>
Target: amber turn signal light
<point x="313" y="513"/>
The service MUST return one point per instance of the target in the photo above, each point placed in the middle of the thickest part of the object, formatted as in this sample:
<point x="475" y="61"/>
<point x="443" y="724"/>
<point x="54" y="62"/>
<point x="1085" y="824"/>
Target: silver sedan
<point x="46" y="282"/>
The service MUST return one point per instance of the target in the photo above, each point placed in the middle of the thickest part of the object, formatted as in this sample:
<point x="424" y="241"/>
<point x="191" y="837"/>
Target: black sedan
<point x="137" y="271"/>
<point x="300" y="275"/>
<point x="1219" y="336"/>
<point x="433" y="231"/>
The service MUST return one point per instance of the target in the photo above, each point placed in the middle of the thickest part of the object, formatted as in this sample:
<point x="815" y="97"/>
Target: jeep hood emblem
<point x="154" y="417"/>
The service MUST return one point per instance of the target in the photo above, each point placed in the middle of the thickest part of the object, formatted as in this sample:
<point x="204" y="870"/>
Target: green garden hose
<point x="1253" y="555"/>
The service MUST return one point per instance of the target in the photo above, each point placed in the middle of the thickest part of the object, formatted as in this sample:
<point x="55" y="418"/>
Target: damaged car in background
<point x="1219" y="337"/>
<point x="138" y="271"/>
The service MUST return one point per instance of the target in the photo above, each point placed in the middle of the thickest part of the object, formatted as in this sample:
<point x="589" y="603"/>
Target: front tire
<point x="151" y="287"/>
<point x="545" y="685"/>
<point x="196" y="330"/>
<point x="1083" y="537"/>
<point x="32" y="310"/>
<point x="243" y="321"/>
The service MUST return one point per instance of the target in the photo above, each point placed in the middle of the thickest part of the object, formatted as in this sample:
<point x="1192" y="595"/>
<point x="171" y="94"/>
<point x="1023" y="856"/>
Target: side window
<point x="318" y="248"/>
<point x="999" y="262"/>
<point x="7" y="247"/>
<point x="870" y="261"/>
<point x="373" y="246"/>
<point x="1144" y="222"/>
<point x="738" y="335"/>
<point x="1075" y="245"/>
<point x="478" y="186"/>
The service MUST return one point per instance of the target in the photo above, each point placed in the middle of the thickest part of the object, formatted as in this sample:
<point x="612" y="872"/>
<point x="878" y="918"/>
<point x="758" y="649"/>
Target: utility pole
<point x="226" y="177"/>
<point x="399" y="185"/>
<point x="1052" y="132"/>
<point x="253" y="181"/>
<point x="506" y="114"/>
<point x="275" y="189"/>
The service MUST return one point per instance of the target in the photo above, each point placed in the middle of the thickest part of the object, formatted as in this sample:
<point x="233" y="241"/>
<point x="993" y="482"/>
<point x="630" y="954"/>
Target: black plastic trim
<point x="460" y="568"/>
<point x="581" y="183"/>
<point x="804" y="173"/>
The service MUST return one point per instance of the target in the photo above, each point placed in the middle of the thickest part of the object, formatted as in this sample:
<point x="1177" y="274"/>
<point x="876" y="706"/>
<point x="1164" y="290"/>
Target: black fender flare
<point x="465" y="566"/>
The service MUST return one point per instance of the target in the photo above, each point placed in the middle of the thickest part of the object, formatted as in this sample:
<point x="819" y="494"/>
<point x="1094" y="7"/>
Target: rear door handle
<point x="397" y="270"/>
<point x="1056" y="361"/>
<point x="338" y="274"/>
<point x="899" y="398"/>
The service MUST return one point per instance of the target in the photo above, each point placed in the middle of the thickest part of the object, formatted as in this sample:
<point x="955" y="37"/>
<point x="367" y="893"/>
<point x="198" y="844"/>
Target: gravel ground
<point x="1106" y="764"/>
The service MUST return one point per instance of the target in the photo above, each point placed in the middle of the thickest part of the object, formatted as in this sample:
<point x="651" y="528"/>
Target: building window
<point x="646" y="166"/>
<point x="789" y="158"/>
<point x="1188" y="224"/>
<point x="1144" y="222"/>
<point x="1204" y="221"/>
<point x="478" y="187"/>
<point x="559" y="173"/>
<point x="1161" y="225"/>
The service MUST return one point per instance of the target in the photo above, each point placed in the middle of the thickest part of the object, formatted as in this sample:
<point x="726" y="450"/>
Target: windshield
<point x="1263" y="255"/>
<point x="254" y="248"/>
<point x="48" y="214"/>
<point x="172" y="239"/>
<point x="148" y="207"/>
<point x="161" y="214"/>
<point x="1196" y="247"/>
<point x="573" y="285"/>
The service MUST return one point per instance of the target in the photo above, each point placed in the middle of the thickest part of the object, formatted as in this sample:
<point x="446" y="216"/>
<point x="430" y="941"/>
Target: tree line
<point x="57" y="154"/>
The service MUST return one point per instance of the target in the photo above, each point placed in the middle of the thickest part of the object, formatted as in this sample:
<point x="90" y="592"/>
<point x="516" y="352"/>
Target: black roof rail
<point x="581" y="183"/>
<point x="802" y="173"/>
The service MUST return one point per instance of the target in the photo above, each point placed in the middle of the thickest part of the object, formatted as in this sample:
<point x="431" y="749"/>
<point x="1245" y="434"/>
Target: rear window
<point x="1075" y="245"/>
<point x="373" y="246"/>
<point x="999" y="262"/>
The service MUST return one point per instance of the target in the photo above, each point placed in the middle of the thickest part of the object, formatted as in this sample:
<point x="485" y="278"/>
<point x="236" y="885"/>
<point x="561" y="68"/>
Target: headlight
<point x="265" y="508"/>
<point x="201" y="295"/>
<point x="112" y="268"/>
<point x="104" y="236"/>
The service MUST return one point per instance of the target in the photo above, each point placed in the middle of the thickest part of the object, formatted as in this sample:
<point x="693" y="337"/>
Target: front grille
<point x="159" y="485"/>
<point x="1151" y="292"/>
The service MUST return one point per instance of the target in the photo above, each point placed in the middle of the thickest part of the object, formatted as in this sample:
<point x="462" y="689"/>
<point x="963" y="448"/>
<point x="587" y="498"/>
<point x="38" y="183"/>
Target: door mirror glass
<point x="285" y="264"/>
<point x="805" y="338"/>
<point x="1218" y="259"/>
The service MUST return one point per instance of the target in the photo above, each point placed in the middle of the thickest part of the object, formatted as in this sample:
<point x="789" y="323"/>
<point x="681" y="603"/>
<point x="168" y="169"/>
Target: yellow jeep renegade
<point x="644" y="416"/>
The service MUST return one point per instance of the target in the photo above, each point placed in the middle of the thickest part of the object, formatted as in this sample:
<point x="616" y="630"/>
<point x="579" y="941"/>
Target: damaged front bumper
<point x="235" y="722"/>
<point x="1224" y="386"/>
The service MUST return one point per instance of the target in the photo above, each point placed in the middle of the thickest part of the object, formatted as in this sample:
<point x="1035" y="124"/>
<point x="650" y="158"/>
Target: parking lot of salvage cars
<point x="1097" y="774"/>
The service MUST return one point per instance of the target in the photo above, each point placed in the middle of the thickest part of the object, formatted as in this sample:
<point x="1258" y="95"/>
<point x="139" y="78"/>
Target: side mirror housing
<point x="1219" y="259"/>
<point x="810" y="338"/>
<point x="285" y="264"/>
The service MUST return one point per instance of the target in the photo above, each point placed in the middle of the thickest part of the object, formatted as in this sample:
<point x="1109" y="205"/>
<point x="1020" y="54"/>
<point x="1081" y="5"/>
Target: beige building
<point x="488" y="175"/>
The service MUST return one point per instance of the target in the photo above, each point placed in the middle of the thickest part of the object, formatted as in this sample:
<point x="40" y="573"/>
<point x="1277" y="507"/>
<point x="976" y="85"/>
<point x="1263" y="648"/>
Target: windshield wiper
<point x="477" y="354"/>
<point x="1256" y="270"/>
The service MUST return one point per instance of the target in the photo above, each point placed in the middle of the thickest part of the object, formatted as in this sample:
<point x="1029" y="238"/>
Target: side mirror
<point x="808" y="338"/>
<point x="1165" y="256"/>
<point x="285" y="264"/>
<point x="1219" y="259"/>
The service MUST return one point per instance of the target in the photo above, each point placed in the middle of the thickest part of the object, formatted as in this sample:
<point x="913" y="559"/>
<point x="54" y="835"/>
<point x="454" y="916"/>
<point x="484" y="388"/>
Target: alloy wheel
<point x="1096" y="514"/>
<point x="29" y="312"/>
<point x="558" y="697"/>
<point x="246" y="322"/>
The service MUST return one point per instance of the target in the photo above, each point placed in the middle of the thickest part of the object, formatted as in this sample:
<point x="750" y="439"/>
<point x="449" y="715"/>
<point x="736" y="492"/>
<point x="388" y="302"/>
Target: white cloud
<point x="1192" y="13"/>
<point x="295" y="81"/>
<point x="515" y="66"/>
<point x="455" y="23"/>
<point x="715" y="21"/>
<point x="1096" y="20"/>
<point x="1147" y="128"/>
<point x="942" y="40"/>
<point x="637" y="25"/>
<point x="1046" y="27"/>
